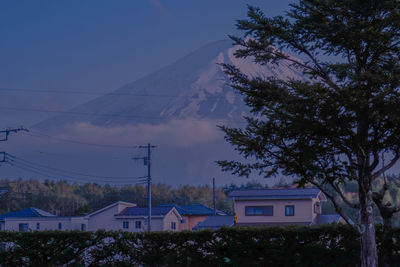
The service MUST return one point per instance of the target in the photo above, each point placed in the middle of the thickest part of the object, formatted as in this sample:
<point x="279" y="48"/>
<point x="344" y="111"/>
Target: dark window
<point x="83" y="227"/>
<point x="289" y="210"/>
<point x="59" y="226"/>
<point x="125" y="224"/>
<point x="37" y="226"/>
<point x="138" y="224"/>
<point x="23" y="227"/>
<point x="173" y="225"/>
<point x="259" y="211"/>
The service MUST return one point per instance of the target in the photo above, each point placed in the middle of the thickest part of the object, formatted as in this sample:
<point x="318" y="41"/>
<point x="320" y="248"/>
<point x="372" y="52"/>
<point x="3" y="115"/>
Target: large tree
<point x="333" y="126"/>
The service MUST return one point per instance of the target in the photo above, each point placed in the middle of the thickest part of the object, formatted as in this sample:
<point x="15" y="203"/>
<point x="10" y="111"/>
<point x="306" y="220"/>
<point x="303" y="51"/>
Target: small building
<point x="215" y="222"/>
<point x="34" y="219"/>
<point x="298" y="206"/>
<point x="163" y="218"/>
<point x="104" y="218"/>
<point x="193" y="214"/>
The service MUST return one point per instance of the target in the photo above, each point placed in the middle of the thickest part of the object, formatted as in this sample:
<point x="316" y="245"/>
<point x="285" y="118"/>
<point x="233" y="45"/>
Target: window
<point x="173" y="225"/>
<point x="83" y="227"/>
<point x="289" y="210"/>
<point x="37" y="226"/>
<point x="59" y="226"/>
<point x="125" y="225"/>
<point x="23" y="227"/>
<point x="259" y="211"/>
<point x="138" y="224"/>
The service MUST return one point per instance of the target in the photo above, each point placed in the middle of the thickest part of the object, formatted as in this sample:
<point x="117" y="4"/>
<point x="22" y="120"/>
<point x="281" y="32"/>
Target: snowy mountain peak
<point x="192" y="87"/>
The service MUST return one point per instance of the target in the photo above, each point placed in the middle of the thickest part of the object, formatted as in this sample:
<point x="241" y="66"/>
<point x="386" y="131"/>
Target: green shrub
<point x="330" y="245"/>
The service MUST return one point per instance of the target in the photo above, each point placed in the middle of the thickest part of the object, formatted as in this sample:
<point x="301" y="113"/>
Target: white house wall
<point x="104" y="220"/>
<point x="45" y="223"/>
<point x="171" y="217"/>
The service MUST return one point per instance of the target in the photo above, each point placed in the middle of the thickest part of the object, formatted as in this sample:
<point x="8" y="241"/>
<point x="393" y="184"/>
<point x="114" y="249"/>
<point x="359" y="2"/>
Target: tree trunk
<point x="369" y="256"/>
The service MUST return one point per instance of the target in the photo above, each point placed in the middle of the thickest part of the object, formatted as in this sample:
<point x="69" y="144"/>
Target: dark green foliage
<point x="68" y="199"/>
<point x="329" y="245"/>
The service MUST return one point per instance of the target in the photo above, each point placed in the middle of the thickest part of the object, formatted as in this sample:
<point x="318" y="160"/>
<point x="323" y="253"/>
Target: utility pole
<point x="214" y="198"/>
<point x="147" y="161"/>
<point x="7" y="132"/>
<point x="4" y="137"/>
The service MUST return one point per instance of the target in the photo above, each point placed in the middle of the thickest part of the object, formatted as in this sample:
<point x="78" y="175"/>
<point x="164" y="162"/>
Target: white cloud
<point x="179" y="133"/>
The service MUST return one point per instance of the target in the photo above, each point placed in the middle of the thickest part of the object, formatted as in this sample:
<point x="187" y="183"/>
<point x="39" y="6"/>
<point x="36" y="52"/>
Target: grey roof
<point x="215" y="222"/>
<point x="287" y="193"/>
<point x="327" y="218"/>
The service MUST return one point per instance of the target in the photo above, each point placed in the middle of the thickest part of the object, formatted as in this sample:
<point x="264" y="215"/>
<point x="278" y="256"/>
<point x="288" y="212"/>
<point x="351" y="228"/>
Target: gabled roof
<point x="26" y="213"/>
<point x="287" y="193"/>
<point x="136" y="211"/>
<point x="110" y="206"/>
<point x="215" y="222"/>
<point x="194" y="209"/>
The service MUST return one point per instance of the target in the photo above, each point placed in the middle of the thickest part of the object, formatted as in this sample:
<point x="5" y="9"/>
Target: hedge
<point x="330" y="245"/>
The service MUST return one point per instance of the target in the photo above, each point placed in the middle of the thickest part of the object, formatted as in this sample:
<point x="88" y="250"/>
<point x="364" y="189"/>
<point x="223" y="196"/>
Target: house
<point x="104" y="218"/>
<point x="299" y="206"/>
<point x="215" y="222"/>
<point x="128" y="217"/>
<point x="134" y="219"/>
<point x="34" y="219"/>
<point x="193" y="214"/>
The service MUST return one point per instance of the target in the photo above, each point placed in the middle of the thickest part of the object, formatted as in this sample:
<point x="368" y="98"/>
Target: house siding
<point x="46" y="223"/>
<point x="106" y="220"/>
<point x="303" y="211"/>
<point x="170" y="217"/>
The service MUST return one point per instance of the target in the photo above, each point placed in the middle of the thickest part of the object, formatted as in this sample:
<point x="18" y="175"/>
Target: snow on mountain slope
<point x="192" y="87"/>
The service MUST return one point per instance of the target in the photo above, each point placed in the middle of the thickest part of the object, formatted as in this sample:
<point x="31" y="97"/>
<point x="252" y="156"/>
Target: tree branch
<point x="341" y="194"/>
<point x="335" y="204"/>
<point x="387" y="167"/>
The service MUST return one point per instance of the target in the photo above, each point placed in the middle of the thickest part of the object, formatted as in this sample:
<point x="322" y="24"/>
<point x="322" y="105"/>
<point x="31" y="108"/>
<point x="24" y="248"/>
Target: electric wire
<point x="49" y="171"/>
<point x="70" y="172"/>
<point x="52" y="175"/>
<point x="38" y="134"/>
<point x="74" y="180"/>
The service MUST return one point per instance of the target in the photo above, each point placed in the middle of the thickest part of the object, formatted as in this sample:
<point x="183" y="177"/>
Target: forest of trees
<point x="66" y="199"/>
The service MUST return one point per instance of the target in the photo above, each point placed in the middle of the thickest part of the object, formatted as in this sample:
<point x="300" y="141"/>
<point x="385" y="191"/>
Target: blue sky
<point x="99" y="45"/>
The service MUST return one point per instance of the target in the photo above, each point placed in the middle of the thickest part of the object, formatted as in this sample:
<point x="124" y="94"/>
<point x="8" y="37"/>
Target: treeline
<point x="66" y="199"/>
<point x="70" y="199"/>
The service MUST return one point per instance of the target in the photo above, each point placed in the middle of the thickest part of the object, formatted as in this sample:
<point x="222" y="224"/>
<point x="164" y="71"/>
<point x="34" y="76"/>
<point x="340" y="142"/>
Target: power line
<point x="70" y="172"/>
<point x="38" y="134"/>
<point x="50" y="171"/>
<point x="52" y="175"/>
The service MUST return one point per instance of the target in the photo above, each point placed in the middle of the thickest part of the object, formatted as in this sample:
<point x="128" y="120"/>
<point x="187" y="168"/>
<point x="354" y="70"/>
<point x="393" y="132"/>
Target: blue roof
<point x="287" y="193"/>
<point x="194" y="209"/>
<point x="136" y="211"/>
<point x="215" y="222"/>
<point x="26" y="213"/>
